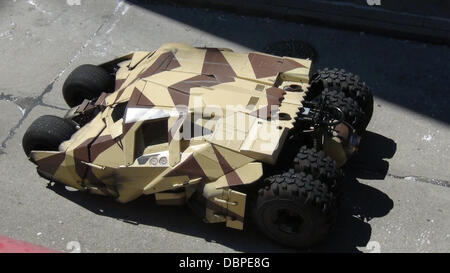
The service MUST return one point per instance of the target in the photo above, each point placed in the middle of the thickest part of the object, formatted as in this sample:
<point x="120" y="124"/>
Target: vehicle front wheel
<point x="47" y="133"/>
<point x="86" y="82"/>
<point x="295" y="210"/>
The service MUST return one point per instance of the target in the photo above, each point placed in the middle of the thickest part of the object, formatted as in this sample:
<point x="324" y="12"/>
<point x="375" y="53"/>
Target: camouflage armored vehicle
<point x="236" y="136"/>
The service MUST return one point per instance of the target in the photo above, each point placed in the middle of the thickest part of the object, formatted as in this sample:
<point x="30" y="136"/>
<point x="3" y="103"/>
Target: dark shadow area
<point x="412" y="75"/>
<point x="360" y="203"/>
<point x="144" y="211"/>
<point x="369" y="162"/>
<point x="293" y="48"/>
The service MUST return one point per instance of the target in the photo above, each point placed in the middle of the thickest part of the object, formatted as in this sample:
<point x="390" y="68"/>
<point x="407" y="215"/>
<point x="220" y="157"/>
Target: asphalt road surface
<point x="397" y="193"/>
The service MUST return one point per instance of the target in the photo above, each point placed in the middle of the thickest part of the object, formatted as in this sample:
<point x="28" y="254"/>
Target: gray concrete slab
<point x="397" y="192"/>
<point x="32" y="29"/>
<point x="418" y="221"/>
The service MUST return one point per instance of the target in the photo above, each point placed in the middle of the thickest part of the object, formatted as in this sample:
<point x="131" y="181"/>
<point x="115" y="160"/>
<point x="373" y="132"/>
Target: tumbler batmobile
<point x="233" y="135"/>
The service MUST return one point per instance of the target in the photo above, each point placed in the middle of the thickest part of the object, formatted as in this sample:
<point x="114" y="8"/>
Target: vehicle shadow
<point x="360" y="203"/>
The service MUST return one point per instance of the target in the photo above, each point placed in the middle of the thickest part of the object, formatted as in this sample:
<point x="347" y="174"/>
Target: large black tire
<point x="320" y="166"/>
<point x="47" y="133"/>
<point x="86" y="82"/>
<point x="295" y="210"/>
<point x="354" y="115"/>
<point x="349" y="83"/>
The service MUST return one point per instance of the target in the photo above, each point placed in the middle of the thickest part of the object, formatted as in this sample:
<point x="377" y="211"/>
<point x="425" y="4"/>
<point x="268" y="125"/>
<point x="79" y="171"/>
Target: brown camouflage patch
<point x="275" y="95"/>
<point x="89" y="107"/>
<point x="118" y="94"/>
<point x="101" y="99"/>
<point x="173" y="63"/>
<point x="134" y="98"/>
<point x="216" y="64"/>
<point x="263" y="65"/>
<point x="137" y="99"/>
<point x="266" y="66"/>
<point x="81" y="153"/>
<point x="119" y="83"/>
<point x="232" y="178"/>
<point x="144" y="101"/>
<point x="82" y="106"/>
<point x="101" y="144"/>
<point x="180" y="91"/>
<point x="165" y="61"/>
<point x="51" y="164"/>
<point x="289" y="65"/>
<point x="126" y="128"/>
<point x="274" y="98"/>
<point x="189" y="167"/>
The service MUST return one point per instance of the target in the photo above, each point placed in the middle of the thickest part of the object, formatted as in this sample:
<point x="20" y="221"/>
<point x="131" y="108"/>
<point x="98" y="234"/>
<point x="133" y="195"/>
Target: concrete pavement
<point x="398" y="189"/>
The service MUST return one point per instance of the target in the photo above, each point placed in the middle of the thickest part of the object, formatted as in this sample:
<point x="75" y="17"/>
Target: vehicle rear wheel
<point x="354" y="115"/>
<point x="347" y="82"/>
<point x="86" y="82"/>
<point x="320" y="166"/>
<point x="294" y="209"/>
<point x="47" y="133"/>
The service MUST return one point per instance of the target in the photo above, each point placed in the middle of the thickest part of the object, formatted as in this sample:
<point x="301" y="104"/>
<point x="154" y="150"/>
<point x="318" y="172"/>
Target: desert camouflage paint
<point x="184" y="120"/>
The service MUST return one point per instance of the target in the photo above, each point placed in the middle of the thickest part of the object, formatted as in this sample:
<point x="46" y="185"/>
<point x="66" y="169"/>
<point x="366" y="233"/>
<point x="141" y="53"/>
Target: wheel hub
<point x="288" y="221"/>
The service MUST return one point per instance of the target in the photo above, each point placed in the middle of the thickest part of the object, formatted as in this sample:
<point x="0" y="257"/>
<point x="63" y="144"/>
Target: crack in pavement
<point x="363" y="172"/>
<point x="35" y="102"/>
<point x="29" y="103"/>
<point x="25" y="103"/>
<point x="422" y="179"/>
